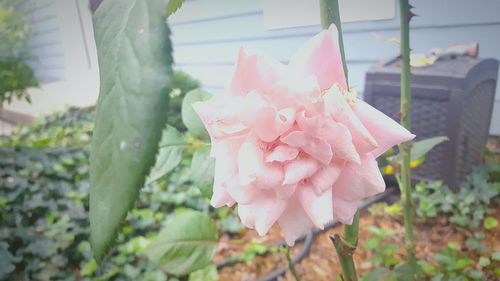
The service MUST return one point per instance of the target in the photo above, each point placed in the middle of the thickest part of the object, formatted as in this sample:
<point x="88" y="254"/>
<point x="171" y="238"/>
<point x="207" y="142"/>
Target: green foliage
<point x="202" y="170"/>
<point x="467" y="207"/>
<point x="189" y="116"/>
<point x="251" y="251"/>
<point x="209" y="273"/>
<point x="15" y="78"/>
<point x="420" y="148"/>
<point x="382" y="250"/>
<point x="380" y="274"/>
<point x="169" y="156"/>
<point x="44" y="206"/>
<point x="186" y="244"/>
<point x="173" y="6"/>
<point x="453" y="266"/>
<point x="15" y="75"/>
<point x="72" y="128"/>
<point x="182" y="83"/>
<point x="134" y="62"/>
<point x="490" y="223"/>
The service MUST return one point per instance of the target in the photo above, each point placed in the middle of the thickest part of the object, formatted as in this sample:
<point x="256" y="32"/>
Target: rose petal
<point x="254" y="72"/>
<point x="342" y="112"/>
<point x="340" y="139"/>
<point x="359" y="181"/>
<point x="300" y="169"/>
<point x="325" y="178"/>
<point x="385" y="130"/>
<point x="262" y="213"/>
<point x="282" y="153"/>
<point x="319" y="208"/>
<point x="343" y="210"/>
<point x="249" y="162"/>
<point x="294" y="221"/>
<point x="315" y="147"/>
<point x="320" y="57"/>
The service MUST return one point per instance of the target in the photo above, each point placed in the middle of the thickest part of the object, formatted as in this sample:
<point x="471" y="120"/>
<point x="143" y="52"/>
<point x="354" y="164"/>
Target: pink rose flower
<point x="292" y="144"/>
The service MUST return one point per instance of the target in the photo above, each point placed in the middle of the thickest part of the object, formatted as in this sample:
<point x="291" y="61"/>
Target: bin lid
<point x="459" y="67"/>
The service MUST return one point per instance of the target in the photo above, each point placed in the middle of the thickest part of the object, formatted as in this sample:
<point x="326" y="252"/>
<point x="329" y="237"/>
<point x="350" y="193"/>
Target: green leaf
<point x="484" y="261"/>
<point x="208" y="273"/>
<point x="172" y="146"/>
<point x="421" y="148"/>
<point x="187" y="243"/>
<point x="134" y="54"/>
<point x="189" y="116"/>
<point x="495" y="256"/>
<point x="7" y="260"/>
<point x="173" y="6"/>
<point x="202" y="170"/>
<point x="380" y="274"/>
<point x="490" y="223"/>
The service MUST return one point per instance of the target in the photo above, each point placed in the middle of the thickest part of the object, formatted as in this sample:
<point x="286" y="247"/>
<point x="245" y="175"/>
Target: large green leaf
<point x="169" y="156"/>
<point x="186" y="244"/>
<point x="202" y="170"/>
<point x="421" y="148"/>
<point x="134" y="54"/>
<point x="189" y="116"/>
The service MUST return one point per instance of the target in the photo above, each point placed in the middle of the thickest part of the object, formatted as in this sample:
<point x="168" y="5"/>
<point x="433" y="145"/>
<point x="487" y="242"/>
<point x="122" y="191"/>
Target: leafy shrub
<point x="466" y="207"/>
<point x="383" y="251"/>
<point x="44" y="206"/>
<point x="15" y="75"/>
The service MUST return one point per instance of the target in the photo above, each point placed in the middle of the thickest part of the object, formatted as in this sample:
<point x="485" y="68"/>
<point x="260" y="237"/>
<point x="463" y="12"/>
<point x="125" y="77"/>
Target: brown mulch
<point x="322" y="264"/>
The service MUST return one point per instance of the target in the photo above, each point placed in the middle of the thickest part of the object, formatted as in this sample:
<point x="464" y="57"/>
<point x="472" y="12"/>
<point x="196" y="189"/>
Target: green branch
<point x="405" y="148"/>
<point x="330" y="14"/>
<point x="345" y="246"/>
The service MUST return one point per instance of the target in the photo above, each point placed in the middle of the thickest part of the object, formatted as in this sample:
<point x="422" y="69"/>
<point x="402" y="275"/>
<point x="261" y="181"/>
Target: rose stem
<point x="345" y="245"/>
<point x="291" y="266"/>
<point x="405" y="149"/>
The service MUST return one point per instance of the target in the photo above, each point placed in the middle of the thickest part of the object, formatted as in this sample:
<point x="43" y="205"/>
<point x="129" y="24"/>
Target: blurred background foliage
<point x="15" y="75"/>
<point x="44" y="187"/>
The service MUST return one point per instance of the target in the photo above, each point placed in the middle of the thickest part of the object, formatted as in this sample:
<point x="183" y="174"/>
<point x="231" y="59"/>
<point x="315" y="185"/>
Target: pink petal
<point x="300" y="169"/>
<point x="282" y="153"/>
<point x="324" y="179"/>
<point x="342" y="112"/>
<point x="321" y="57"/>
<point x="315" y="147"/>
<point x="385" y="130"/>
<point x="285" y="191"/>
<point x="269" y="124"/>
<point x="294" y="221"/>
<point x="296" y="138"/>
<point x="249" y="162"/>
<point x="220" y="117"/>
<point x="312" y="124"/>
<point x="359" y="181"/>
<point x="262" y="213"/>
<point x="320" y="150"/>
<point x="343" y="210"/>
<point x="226" y="172"/>
<point x="254" y="72"/>
<point x="270" y="176"/>
<point x="340" y="139"/>
<point x="253" y="170"/>
<point x="319" y="208"/>
<point x="303" y="93"/>
<point x="251" y="104"/>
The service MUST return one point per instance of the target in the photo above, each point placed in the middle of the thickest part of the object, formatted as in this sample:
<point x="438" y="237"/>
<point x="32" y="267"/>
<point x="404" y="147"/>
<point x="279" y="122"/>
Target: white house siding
<point x="64" y="56"/>
<point x="208" y="33"/>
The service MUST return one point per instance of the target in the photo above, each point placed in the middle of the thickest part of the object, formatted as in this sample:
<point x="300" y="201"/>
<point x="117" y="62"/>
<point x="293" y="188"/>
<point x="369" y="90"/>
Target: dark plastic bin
<point x="452" y="98"/>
